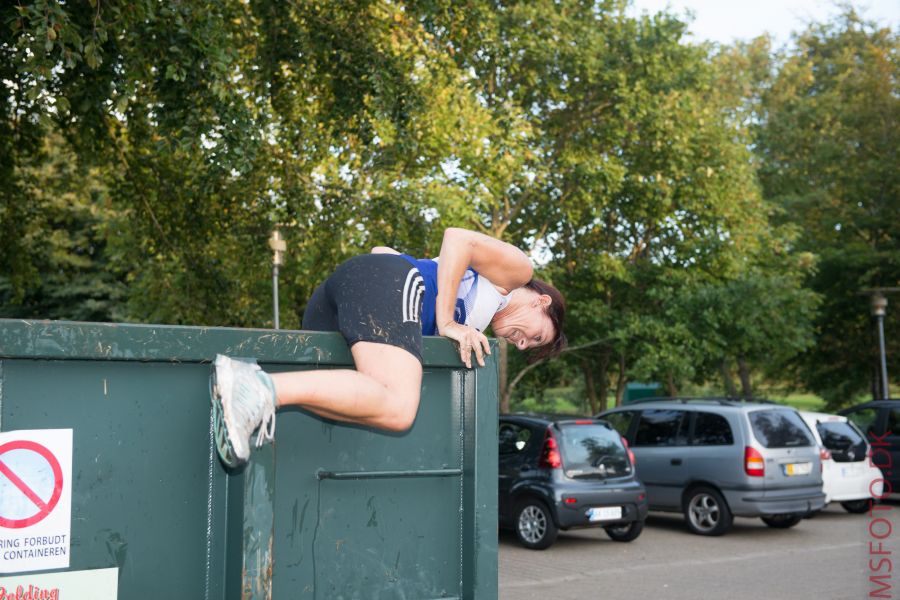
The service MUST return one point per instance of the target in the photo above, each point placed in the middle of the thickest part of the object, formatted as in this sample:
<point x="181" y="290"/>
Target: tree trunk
<point x="589" y="388"/>
<point x="603" y="388"/>
<point x="744" y="371"/>
<point x="620" y="383"/>
<point x="670" y="385"/>
<point x="730" y="390"/>
<point x="504" y="375"/>
<point x="515" y="380"/>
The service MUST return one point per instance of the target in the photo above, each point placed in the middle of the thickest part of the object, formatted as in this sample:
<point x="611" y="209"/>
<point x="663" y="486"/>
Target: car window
<point x="711" y="429"/>
<point x="843" y="440"/>
<point x="661" y="427"/>
<point x="780" y="429"/>
<point x="619" y="420"/>
<point x="593" y="452"/>
<point x="513" y="438"/>
<point x="864" y="418"/>
<point x="894" y="421"/>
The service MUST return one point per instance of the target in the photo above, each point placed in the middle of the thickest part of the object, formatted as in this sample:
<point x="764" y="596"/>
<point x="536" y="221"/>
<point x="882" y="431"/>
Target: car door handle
<point x="676" y="462"/>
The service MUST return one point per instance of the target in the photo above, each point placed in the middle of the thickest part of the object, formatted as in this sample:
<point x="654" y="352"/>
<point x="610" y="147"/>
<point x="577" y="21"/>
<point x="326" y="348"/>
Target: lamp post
<point x="278" y="246"/>
<point x="879" y="308"/>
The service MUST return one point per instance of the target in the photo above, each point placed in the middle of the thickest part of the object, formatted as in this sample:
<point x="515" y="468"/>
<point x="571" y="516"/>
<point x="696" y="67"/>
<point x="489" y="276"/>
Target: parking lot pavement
<point x="823" y="558"/>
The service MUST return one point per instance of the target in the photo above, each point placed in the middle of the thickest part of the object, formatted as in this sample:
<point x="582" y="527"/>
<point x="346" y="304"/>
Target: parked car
<point x="715" y="459"/>
<point x="880" y="421"/>
<point x="563" y="473"/>
<point x="848" y="476"/>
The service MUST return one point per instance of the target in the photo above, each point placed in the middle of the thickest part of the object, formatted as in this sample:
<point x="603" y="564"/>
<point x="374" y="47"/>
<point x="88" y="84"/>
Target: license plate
<point x="803" y="468"/>
<point x="605" y="513"/>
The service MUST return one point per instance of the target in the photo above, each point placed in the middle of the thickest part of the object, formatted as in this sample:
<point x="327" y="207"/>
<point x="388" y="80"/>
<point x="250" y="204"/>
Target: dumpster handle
<point x="323" y="474"/>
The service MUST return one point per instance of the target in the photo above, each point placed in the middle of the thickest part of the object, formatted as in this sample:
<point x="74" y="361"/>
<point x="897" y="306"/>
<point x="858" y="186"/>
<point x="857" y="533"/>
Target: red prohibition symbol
<point x="44" y="507"/>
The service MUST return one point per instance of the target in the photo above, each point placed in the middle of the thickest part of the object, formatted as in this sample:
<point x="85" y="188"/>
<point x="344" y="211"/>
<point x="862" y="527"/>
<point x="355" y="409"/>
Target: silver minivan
<point x="714" y="459"/>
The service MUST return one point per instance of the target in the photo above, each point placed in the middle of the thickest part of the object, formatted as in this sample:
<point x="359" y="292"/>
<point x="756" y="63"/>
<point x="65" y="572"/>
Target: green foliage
<point x="693" y="204"/>
<point x="828" y="148"/>
<point x="65" y="228"/>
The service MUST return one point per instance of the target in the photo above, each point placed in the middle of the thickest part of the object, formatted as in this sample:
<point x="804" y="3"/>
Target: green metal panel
<point x="329" y="511"/>
<point x="635" y="391"/>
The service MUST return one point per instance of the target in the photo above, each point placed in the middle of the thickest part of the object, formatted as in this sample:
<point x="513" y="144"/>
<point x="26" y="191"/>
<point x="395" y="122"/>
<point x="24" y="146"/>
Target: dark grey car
<point x="880" y="421"/>
<point x="558" y="474"/>
<point x="714" y="459"/>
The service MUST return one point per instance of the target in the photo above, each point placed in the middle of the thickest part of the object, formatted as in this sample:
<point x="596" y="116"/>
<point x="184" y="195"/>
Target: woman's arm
<point x="383" y="250"/>
<point x="502" y="264"/>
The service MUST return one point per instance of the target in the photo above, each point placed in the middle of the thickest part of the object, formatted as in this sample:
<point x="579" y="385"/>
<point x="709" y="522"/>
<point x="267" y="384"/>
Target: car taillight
<point x="630" y="453"/>
<point x="754" y="465"/>
<point x="551" y="457"/>
<point x="824" y="454"/>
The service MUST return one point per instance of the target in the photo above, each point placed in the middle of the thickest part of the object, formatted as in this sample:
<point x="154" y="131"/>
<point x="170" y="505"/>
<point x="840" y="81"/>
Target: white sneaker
<point x="243" y="399"/>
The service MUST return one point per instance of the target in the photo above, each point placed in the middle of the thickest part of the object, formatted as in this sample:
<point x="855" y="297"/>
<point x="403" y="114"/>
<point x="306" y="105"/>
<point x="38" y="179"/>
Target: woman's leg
<point x="382" y="392"/>
<point x="374" y="301"/>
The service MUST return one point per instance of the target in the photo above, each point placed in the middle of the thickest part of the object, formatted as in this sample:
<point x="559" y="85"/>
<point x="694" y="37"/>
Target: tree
<point x="827" y="145"/>
<point x="216" y="121"/>
<point x="759" y="321"/>
<point x="70" y="273"/>
<point x="652" y="185"/>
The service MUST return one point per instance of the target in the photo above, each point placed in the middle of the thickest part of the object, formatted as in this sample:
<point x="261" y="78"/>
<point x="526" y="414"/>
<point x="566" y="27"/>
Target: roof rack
<point x="723" y="400"/>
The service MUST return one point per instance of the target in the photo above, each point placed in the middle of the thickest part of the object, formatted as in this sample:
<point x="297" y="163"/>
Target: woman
<point x="383" y="303"/>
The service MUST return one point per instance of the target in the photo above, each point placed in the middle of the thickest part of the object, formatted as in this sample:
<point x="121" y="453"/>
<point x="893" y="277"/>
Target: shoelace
<point x="253" y="390"/>
<point x="267" y="426"/>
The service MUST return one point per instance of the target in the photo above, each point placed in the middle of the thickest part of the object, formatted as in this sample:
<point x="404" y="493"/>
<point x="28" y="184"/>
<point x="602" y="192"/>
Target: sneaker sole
<point x="224" y="447"/>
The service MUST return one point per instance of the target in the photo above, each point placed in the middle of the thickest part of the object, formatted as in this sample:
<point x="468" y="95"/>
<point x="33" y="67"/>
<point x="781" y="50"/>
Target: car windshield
<point x="780" y="429"/>
<point x="843" y="440"/>
<point x="593" y="451"/>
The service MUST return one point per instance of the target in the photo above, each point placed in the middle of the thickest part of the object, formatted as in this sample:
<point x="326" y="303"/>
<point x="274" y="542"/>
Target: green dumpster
<point x="109" y="475"/>
<point x="636" y="391"/>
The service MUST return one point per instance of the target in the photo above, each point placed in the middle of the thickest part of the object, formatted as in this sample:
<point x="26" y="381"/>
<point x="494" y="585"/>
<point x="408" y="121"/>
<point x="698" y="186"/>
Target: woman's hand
<point x="469" y="340"/>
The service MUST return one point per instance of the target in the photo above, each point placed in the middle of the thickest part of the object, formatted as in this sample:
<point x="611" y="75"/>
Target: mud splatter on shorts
<point x="371" y="298"/>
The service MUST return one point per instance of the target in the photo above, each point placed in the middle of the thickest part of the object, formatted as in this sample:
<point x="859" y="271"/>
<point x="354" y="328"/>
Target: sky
<point x="725" y="21"/>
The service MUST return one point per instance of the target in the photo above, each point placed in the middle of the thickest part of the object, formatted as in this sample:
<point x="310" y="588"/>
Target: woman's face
<point x="524" y="322"/>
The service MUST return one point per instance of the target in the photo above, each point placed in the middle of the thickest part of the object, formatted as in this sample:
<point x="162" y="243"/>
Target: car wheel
<point x="534" y="525"/>
<point x="857" y="507"/>
<point x="785" y="521"/>
<point x="706" y="512"/>
<point x="625" y="533"/>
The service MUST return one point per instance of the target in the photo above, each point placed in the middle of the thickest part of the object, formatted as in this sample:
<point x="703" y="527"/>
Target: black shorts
<point x="371" y="298"/>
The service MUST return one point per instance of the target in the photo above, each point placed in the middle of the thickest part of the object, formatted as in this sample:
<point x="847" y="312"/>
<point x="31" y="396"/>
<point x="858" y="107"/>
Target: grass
<point x="560" y="401"/>
<point x="801" y="401"/>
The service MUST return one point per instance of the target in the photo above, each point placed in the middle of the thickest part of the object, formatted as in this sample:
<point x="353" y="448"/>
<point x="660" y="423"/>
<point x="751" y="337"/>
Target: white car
<point x="848" y="475"/>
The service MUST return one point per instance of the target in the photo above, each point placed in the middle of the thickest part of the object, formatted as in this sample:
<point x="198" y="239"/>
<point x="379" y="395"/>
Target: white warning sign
<point x="35" y="499"/>
<point x="99" y="584"/>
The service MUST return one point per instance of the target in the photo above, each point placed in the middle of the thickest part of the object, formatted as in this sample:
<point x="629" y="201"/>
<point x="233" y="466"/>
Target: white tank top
<point x="477" y="301"/>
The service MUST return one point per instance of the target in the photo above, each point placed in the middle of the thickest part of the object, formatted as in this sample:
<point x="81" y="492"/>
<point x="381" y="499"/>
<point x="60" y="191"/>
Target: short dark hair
<point x="557" y="313"/>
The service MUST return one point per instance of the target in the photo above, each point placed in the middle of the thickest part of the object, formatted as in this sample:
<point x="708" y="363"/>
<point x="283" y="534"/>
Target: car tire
<point x="785" y="521"/>
<point x="625" y="533"/>
<point x="706" y="512"/>
<point x="857" y="507"/>
<point x="534" y="524"/>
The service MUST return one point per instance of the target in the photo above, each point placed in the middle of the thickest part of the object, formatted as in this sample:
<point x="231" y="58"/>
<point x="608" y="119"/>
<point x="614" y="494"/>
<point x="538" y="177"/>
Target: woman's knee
<point x="400" y="413"/>
<point x="400" y="374"/>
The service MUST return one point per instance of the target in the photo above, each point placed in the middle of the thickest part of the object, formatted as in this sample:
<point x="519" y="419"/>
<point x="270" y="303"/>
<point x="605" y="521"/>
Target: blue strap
<point x="428" y="269"/>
